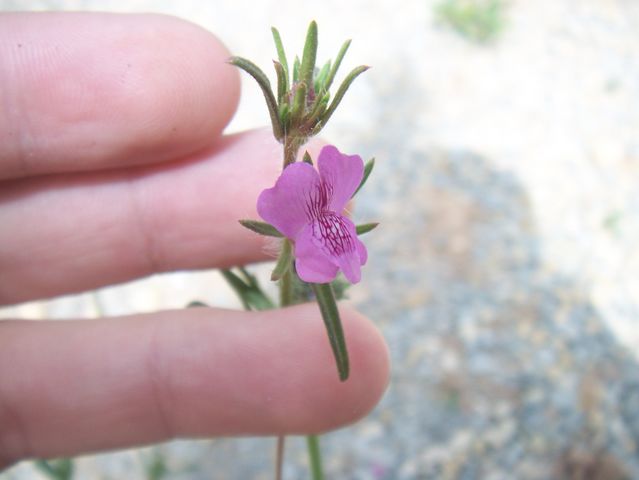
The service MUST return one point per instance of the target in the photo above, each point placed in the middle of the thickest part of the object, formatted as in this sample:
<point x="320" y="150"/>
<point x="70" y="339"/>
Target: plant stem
<point x="286" y="281"/>
<point x="279" y="457"/>
<point x="312" y="442"/>
<point x="292" y="144"/>
<point x="286" y="299"/>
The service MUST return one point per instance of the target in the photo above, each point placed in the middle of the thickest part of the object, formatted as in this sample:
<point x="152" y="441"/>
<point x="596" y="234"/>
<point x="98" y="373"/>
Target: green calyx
<point x="302" y="104"/>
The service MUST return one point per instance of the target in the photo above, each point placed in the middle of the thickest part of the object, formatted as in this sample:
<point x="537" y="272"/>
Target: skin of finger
<point x="70" y="233"/>
<point x="70" y="387"/>
<point x="85" y="91"/>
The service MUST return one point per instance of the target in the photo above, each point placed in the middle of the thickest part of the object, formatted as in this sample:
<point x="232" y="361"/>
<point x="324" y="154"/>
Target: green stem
<point x="312" y="442"/>
<point x="286" y="299"/>
<point x="279" y="457"/>
<point x="285" y="274"/>
<point x="292" y="145"/>
<point x="286" y="289"/>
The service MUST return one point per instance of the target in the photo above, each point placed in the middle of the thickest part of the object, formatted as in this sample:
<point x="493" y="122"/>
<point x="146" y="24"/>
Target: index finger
<point x="87" y="91"/>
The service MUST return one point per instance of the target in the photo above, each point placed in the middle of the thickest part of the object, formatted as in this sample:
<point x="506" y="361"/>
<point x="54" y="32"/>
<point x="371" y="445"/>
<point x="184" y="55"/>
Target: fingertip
<point x="178" y="92"/>
<point x="198" y="82"/>
<point x="312" y="397"/>
<point x="351" y="400"/>
<point x="273" y="372"/>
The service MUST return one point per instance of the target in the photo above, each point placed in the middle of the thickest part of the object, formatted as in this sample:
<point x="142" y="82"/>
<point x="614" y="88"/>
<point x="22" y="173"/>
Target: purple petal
<point x="311" y="263"/>
<point x="284" y="205"/>
<point x="325" y="244"/>
<point x="351" y="267"/>
<point x="343" y="173"/>
<point x="351" y="263"/>
<point x="362" y="252"/>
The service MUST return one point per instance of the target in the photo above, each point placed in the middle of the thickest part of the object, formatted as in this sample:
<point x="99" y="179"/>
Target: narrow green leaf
<point x="285" y="115"/>
<point x="333" y="323"/>
<point x="280" y="54"/>
<point x="196" y="304"/>
<point x="338" y="62"/>
<point x="66" y="468"/>
<point x="366" y="227"/>
<point x="262" y="80"/>
<point x="309" y="55"/>
<point x="238" y="285"/>
<point x="321" y="78"/>
<point x="296" y="69"/>
<point x="318" y="110"/>
<point x="255" y="295"/>
<point x="156" y="468"/>
<point x="46" y="468"/>
<point x="251" y="296"/>
<point x="258" y="300"/>
<point x="283" y="261"/>
<point x="340" y="94"/>
<point x="249" y="279"/>
<point x="368" y="168"/>
<point x="262" y="228"/>
<point x="282" y="88"/>
<point x="61" y="469"/>
<point x="299" y="104"/>
<point x="307" y="158"/>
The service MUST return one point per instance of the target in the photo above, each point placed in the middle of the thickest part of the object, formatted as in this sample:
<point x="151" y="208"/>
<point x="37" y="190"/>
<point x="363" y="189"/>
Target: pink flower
<point x="307" y="208"/>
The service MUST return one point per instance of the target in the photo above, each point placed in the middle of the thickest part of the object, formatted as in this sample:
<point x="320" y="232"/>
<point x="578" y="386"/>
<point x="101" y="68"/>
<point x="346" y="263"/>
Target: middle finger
<point x="69" y="233"/>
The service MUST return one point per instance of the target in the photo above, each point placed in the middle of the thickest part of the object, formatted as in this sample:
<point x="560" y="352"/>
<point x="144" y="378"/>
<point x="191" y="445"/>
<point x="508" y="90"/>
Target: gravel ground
<point x="504" y="273"/>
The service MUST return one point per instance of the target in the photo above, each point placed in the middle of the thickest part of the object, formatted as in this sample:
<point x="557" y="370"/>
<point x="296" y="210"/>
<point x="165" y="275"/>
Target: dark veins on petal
<point x="318" y="200"/>
<point x="331" y="230"/>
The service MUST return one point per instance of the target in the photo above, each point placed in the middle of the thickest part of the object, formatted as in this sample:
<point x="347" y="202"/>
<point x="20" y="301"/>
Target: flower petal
<point x="350" y="263"/>
<point x="343" y="173"/>
<point x="284" y="205"/>
<point x="311" y="263"/>
<point x="325" y="244"/>
<point x="363" y="253"/>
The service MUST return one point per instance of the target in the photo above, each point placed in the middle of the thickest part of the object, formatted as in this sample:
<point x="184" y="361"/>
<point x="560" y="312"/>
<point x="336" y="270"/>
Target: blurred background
<point x="505" y="272"/>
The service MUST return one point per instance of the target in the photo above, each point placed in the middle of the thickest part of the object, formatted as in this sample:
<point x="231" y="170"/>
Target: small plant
<point x="156" y="467"/>
<point x="612" y="222"/>
<point x="306" y="208"/>
<point x="478" y="20"/>
<point x="61" y="469"/>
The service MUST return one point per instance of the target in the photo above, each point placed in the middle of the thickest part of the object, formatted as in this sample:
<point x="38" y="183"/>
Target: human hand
<point x="113" y="166"/>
